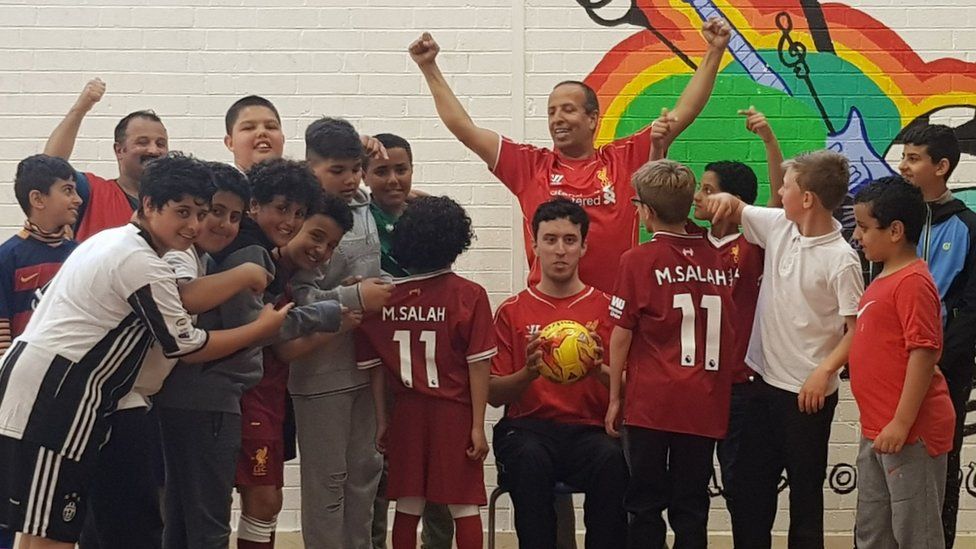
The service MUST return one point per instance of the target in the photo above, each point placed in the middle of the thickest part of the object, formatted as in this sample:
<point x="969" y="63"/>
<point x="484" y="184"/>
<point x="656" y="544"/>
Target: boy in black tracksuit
<point x="948" y="245"/>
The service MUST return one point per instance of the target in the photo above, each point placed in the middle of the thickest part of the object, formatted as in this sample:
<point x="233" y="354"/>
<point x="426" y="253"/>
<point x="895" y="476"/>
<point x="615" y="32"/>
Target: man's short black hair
<point x="230" y="179"/>
<point x="38" y="173"/>
<point x="735" y="178"/>
<point x="432" y="232"/>
<point x="391" y="141"/>
<point x="282" y="177"/>
<point x="174" y="177"/>
<point x="892" y="198"/>
<point x="333" y="139"/>
<point x="940" y="141"/>
<point x="561" y="208"/>
<point x="333" y="206"/>
<point x="591" y="104"/>
<point x="123" y="125"/>
<point x="250" y="101"/>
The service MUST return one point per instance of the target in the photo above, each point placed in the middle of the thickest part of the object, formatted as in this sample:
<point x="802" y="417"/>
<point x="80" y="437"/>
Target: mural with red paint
<point x="825" y="75"/>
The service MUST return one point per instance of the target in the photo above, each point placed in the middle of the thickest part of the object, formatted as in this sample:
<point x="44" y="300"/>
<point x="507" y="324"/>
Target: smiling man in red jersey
<point x="139" y="137"/>
<point x="596" y="178"/>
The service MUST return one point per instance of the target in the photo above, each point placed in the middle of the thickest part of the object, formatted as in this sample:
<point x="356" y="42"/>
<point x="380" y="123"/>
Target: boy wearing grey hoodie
<point x="334" y="415"/>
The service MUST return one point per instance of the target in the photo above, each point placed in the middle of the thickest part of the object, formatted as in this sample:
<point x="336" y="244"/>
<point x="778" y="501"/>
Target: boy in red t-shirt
<point x="672" y="306"/>
<point x="435" y="337"/>
<point x="907" y="418"/>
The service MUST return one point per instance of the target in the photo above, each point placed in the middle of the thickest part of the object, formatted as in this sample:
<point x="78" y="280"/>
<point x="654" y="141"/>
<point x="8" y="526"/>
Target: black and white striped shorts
<point x="42" y="493"/>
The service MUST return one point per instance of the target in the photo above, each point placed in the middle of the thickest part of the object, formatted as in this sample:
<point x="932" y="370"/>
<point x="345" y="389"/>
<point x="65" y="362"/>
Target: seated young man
<point x="555" y="432"/>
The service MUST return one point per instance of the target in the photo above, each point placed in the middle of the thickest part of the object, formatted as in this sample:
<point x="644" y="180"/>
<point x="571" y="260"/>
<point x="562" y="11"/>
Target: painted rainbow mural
<point x="825" y="75"/>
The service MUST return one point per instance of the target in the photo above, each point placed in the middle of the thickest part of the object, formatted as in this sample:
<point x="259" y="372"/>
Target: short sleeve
<point x="624" y="303"/>
<point x="158" y="305"/>
<point x="481" y="332"/>
<point x="759" y="222"/>
<point x="366" y="355"/>
<point x="848" y="285"/>
<point x="919" y="312"/>
<point x="83" y="188"/>
<point x="185" y="266"/>
<point x="518" y="165"/>
<point x="6" y="285"/>
<point x="633" y="151"/>
<point x="503" y="363"/>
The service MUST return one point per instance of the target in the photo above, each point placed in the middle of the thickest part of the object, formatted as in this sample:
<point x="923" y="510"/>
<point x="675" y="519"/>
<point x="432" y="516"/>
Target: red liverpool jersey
<point x="523" y="315"/>
<point x="600" y="183"/>
<point x="433" y="327"/>
<point x="744" y="263"/>
<point x="675" y="294"/>
<point x="106" y="207"/>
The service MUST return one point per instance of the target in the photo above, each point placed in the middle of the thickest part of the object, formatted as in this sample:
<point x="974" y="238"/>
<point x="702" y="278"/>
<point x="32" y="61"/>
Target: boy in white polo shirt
<point x="809" y="294"/>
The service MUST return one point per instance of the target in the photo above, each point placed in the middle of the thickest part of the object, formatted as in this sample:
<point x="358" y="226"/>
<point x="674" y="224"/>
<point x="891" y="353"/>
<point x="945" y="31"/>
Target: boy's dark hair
<point x="735" y="178"/>
<point x="38" y="173"/>
<point x="282" y="177"/>
<point x="330" y="205"/>
<point x="333" y="138"/>
<point x="892" y="198"/>
<point x="940" y="141"/>
<point x="391" y="141"/>
<point x="230" y="179"/>
<point x="561" y="208"/>
<point x="173" y="177"/>
<point x="250" y="101"/>
<point x="123" y="125"/>
<point x="432" y="232"/>
<point x="591" y="104"/>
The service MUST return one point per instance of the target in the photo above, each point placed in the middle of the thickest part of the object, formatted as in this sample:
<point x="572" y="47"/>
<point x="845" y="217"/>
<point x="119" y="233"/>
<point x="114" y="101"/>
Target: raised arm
<point x="481" y="141"/>
<point x="62" y="139"/>
<point x="756" y="123"/>
<point x="695" y="95"/>
<point x="723" y="207"/>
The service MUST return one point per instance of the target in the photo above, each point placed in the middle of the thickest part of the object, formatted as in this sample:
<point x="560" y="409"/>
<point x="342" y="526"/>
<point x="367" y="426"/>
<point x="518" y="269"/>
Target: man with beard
<point x="139" y="137"/>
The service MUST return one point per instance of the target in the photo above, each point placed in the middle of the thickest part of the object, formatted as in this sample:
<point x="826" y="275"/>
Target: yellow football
<point x="568" y="351"/>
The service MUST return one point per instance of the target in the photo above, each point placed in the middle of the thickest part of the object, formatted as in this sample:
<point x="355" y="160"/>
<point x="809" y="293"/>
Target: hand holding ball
<point x="568" y="351"/>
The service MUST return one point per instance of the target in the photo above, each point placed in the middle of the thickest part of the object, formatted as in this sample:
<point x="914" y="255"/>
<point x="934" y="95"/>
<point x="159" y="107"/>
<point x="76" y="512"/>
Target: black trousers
<point x="740" y="414"/>
<point x="124" y="509"/>
<point x="533" y="455"/>
<point x="668" y="471"/>
<point x="960" y="382"/>
<point x="778" y="437"/>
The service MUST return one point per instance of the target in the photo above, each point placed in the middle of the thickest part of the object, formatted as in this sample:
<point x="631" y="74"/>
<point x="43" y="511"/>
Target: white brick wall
<point x="189" y="59"/>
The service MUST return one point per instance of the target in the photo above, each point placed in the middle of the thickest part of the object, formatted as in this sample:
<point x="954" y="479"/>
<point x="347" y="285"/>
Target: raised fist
<point x="93" y="92"/>
<point x="424" y="50"/>
<point x="717" y="33"/>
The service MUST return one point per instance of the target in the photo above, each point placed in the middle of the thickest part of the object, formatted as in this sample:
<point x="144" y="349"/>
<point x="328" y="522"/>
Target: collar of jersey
<point x="422" y="276"/>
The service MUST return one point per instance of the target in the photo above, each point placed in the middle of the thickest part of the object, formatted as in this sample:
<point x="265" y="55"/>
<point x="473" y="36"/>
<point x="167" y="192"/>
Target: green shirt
<point x="384" y="225"/>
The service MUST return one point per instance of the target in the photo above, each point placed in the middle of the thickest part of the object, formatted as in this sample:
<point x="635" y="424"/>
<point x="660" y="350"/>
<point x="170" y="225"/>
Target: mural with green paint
<point x="824" y="76"/>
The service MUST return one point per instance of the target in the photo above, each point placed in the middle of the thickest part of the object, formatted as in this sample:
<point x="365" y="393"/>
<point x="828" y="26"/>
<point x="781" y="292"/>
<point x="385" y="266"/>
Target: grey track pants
<point x="899" y="498"/>
<point x="340" y="468"/>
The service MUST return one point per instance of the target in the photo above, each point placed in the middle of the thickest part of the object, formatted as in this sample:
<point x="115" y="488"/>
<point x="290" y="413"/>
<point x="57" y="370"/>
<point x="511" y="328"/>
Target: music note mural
<point x="825" y="75"/>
